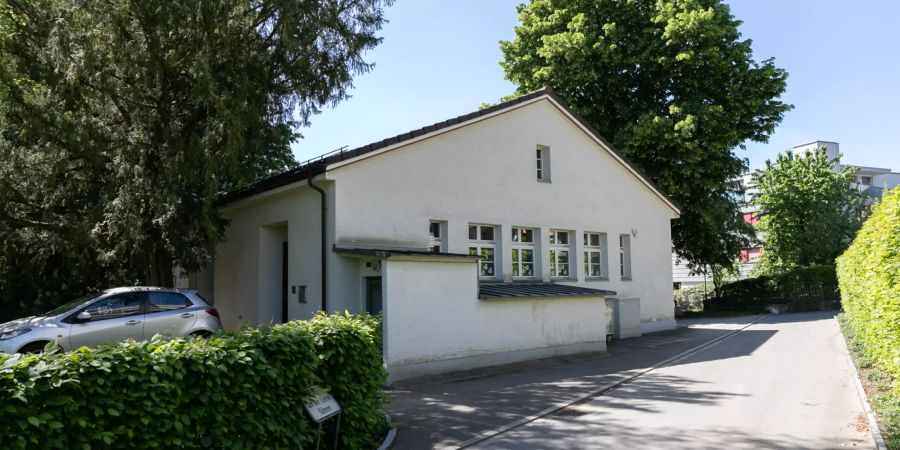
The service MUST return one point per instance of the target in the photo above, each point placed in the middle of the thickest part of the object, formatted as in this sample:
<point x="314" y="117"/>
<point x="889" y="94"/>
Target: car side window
<point x="115" y="306"/>
<point x="166" y="301"/>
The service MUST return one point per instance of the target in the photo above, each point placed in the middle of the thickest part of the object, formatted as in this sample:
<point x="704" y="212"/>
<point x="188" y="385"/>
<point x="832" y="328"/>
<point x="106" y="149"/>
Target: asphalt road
<point x="784" y="382"/>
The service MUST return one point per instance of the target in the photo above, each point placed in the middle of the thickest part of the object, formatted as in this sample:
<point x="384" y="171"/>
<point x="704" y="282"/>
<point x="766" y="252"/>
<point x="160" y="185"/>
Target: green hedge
<point x="807" y="288"/>
<point x="236" y="390"/>
<point x="691" y="298"/>
<point x="869" y="276"/>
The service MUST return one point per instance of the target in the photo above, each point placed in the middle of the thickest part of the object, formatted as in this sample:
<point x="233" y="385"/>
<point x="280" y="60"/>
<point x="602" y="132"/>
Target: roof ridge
<point x="308" y="167"/>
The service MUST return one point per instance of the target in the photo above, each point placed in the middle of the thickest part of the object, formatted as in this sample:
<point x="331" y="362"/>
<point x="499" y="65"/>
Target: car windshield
<point x="70" y="305"/>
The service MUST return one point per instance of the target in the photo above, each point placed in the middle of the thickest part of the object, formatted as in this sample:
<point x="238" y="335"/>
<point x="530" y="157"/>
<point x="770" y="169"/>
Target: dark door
<point x="373" y="295"/>
<point x="284" y="282"/>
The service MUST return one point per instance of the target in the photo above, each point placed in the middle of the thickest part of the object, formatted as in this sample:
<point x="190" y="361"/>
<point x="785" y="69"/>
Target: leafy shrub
<point x="234" y="390"/>
<point x="352" y="370"/>
<point x="805" y="288"/>
<point x="691" y="299"/>
<point x="869" y="276"/>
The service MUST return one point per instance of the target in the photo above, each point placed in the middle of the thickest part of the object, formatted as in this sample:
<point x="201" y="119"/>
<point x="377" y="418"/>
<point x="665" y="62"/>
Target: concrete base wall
<point x="399" y="372"/>
<point x="434" y="321"/>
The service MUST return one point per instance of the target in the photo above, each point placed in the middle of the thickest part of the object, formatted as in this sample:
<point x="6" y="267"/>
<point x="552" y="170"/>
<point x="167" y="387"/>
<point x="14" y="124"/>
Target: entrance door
<point x="284" y="282"/>
<point x="373" y="295"/>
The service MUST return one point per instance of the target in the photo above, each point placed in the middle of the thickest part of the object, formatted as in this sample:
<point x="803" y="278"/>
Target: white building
<point x="867" y="177"/>
<point x="488" y="238"/>
<point x="871" y="181"/>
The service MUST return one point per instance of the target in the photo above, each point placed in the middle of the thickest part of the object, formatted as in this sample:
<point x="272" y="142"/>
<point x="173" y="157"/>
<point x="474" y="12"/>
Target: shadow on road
<point x="445" y="413"/>
<point x="610" y="432"/>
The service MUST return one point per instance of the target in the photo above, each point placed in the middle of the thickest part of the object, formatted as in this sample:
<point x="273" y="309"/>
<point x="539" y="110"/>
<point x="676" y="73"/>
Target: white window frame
<point x="519" y="247"/>
<point x="440" y="241"/>
<point x="625" y="256"/>
<point x="598" y="248"/>
<point x="480" y="247"/>
<point x="555" y="249"/>
<point x="542" y="160"/>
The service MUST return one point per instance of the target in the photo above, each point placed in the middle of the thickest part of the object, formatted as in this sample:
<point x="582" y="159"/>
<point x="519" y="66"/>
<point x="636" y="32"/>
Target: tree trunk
<point x="160" y="271"/>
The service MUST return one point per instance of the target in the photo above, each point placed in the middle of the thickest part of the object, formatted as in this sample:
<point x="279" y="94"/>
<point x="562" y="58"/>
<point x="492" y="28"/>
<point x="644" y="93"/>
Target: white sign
<point x="322" y="405"/>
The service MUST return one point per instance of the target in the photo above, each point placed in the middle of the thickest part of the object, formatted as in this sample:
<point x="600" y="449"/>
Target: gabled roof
<point x="320" y="164"/>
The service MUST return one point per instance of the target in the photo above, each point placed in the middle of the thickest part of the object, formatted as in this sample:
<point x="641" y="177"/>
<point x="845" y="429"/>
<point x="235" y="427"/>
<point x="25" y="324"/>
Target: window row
<point x="525" y="252"/>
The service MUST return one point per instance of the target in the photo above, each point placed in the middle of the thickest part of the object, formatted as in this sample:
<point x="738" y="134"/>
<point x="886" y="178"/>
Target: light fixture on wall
<point x="634" y="232"/>
<point x="376" y="266"/>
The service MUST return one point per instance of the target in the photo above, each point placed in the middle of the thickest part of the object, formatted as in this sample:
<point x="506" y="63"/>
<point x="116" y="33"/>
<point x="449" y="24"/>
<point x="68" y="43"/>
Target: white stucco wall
<point x="485" y="173"/>
<point x="247" y="264"/>
<point x="434" y="321"/>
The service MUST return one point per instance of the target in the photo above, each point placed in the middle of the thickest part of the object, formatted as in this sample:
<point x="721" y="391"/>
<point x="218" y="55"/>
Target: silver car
<point x="111" y="316"/>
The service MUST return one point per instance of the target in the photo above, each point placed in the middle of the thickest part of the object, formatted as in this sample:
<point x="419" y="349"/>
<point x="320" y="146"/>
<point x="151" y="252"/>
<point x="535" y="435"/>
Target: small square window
<point x="524" y="235"/>
<point x="559" y="237"/>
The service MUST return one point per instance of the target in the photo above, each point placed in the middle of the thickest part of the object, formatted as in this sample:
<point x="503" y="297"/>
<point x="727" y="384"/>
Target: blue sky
<point x="440" y="59"/>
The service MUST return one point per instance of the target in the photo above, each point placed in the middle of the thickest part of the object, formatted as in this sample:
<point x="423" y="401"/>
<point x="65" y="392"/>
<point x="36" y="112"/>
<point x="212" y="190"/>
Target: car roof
<point x="121" y="289"/>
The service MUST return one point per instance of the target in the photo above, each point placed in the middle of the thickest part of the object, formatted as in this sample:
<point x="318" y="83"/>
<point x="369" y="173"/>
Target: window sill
<point x="626" y="278"/>
<point x="563" y="279"/>
<point x="596" y="279"/>
<point x="544" y="181"/>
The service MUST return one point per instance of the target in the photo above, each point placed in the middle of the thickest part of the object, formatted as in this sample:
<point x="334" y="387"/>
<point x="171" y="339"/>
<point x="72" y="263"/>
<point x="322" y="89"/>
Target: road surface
<point x="784" y="382"/>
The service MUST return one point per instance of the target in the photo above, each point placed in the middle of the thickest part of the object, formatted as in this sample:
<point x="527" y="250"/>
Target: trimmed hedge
<point x="236" y="390"/>
<point x="808" y="288"/>
<point x="869" y="276"/>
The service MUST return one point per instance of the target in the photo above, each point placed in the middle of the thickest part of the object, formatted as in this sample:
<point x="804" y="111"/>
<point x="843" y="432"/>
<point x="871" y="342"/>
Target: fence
<point x="806" y="289"/>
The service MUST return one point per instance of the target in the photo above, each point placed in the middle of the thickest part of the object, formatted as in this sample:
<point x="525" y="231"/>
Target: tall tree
<point x="810" y="210"/>
<point x="672" y="85"/>
<point x="121" y="120"/>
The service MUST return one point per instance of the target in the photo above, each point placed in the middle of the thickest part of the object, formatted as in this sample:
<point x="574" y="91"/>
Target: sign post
<point x="321" y="407"/>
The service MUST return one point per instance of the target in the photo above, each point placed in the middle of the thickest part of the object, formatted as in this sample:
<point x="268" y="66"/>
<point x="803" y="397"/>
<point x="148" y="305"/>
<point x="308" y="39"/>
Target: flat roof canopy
<point x="384" y="253"/>
<point x="492" y="291"/>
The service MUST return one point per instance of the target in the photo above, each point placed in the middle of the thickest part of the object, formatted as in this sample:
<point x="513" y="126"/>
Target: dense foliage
<point x="802" y="289"/>
<point x="869" y="276"/>
<point x="673" y="86"/>
<point x="691" y="298"/>
<point x="120" y="121"/>
<point x="242" y="390"/>
<point x="809" y="210"/>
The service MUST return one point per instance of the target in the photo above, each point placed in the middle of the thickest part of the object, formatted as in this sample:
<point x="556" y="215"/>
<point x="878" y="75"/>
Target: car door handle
<point x="187" y="315"/>
<point x="132" y="322"/>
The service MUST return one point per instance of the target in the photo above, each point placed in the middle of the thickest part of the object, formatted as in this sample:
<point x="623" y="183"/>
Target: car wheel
<point x="33" y="348"/>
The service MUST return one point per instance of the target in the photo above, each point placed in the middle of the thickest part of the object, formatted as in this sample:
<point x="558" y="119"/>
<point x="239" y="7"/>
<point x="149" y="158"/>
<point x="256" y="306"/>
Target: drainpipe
<point x="309" y="181"/>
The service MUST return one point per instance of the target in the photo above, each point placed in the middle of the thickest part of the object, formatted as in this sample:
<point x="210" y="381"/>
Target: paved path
<point x="784" y="382"/>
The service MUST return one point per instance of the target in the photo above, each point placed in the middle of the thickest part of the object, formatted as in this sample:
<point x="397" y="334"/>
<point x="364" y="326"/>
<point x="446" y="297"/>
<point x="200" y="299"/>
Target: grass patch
<point x="877" y="384"/>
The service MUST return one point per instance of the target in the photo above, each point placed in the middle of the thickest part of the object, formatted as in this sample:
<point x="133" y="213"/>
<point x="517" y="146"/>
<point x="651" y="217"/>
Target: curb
<point x="388" y="442"/>
<point x="630" y="375"/>
<point x="870" y="415"/>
